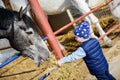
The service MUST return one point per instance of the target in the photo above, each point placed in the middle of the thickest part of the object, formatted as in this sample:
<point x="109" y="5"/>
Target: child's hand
<point x="58" y="63"/>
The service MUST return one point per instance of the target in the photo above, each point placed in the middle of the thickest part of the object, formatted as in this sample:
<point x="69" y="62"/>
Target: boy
<point x="91" y="53"/>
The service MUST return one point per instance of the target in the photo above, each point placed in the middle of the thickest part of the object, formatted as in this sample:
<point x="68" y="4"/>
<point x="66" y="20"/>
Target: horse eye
<point x="23" y="28"/>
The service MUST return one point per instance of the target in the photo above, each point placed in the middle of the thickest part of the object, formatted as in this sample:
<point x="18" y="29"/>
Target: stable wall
<point x="59" y="20"/>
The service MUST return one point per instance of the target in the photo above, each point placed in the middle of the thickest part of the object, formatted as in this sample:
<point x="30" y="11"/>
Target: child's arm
<point x="79" y="53"/>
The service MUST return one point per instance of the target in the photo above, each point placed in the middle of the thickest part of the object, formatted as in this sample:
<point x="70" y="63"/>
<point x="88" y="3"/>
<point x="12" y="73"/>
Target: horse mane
<point x="28" y="21"/>
<point x="7" y="17"/>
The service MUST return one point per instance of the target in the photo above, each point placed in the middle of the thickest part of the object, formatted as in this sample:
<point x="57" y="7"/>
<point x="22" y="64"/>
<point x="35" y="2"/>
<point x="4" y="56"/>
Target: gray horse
<point x="20" y="30"/>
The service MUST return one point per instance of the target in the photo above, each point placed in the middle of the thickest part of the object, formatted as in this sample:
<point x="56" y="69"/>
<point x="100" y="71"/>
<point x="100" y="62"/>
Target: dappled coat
<point x="21" y="32"/>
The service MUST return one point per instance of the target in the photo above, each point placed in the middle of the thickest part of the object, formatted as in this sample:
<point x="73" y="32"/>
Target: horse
<point x="52" y="7"/>
<point x="115" y="7"/>
<point x="22" y="34"/>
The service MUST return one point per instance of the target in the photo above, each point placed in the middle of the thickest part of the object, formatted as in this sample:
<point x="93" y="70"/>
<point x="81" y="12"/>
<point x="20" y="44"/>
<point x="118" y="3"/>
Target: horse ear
<point x="27" y="8"/>
<point x="20" y="13"/>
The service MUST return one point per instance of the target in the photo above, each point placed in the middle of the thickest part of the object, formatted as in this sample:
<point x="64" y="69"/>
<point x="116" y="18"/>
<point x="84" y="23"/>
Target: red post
<point x="45" y="26"/>
<point x="109" y="31"/>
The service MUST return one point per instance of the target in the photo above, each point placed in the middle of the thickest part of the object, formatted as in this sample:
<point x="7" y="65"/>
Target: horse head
<point x="21" y="32"/>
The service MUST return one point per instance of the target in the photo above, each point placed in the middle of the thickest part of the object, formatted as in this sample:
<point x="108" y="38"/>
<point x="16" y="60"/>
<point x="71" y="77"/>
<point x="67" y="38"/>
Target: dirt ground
<point x="24" y="68"/>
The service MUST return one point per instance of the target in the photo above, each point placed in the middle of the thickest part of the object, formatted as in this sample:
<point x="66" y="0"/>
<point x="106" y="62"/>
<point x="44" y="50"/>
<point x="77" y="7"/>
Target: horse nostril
<point x="30" y="32"/>
<point x="42" y="60"/>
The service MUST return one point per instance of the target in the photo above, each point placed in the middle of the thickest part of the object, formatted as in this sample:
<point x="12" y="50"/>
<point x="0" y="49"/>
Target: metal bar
<point x="45" y="26"/>
<point x="10" y="60"/>
<point x="7" y="47"/>
<point x="109" y="31"/>
<point x="47" y="74"/>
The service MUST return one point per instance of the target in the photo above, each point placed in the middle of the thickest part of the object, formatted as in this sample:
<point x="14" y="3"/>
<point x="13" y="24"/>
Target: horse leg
<point x="95" y="21"/>
<point x="82" y="6"/>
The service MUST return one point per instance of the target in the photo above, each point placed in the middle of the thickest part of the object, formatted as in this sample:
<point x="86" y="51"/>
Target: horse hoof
<point x="109" y="43"/>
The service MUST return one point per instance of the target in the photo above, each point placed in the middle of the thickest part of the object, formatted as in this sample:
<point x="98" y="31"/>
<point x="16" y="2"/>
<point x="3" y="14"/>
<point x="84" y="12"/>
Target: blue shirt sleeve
<point x="78" y="54"/>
